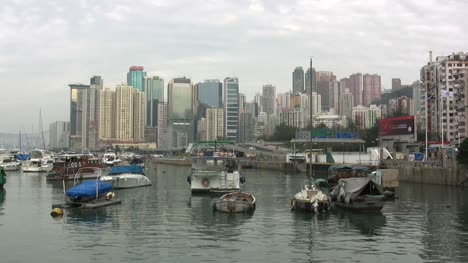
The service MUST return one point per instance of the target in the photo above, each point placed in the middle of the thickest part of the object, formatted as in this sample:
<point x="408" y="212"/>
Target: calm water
<point x="164" y="223"/>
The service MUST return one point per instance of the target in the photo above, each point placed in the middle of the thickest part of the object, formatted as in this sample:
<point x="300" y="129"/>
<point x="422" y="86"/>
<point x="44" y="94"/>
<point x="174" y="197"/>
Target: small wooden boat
<point x="237" y="202"/>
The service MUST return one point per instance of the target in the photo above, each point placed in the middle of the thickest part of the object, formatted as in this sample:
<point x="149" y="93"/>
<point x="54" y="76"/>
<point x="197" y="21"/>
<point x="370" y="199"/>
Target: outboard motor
<point x="242" y="179"/>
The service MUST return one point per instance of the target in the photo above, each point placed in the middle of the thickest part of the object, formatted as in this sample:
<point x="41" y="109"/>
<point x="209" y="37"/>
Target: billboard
<point x="397" y="126"/>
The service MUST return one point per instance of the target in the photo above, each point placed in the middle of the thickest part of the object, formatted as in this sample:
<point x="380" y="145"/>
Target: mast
<point x="42" y="129"/>
<point x="311" y="123"/>
<point x="20" y="141"/>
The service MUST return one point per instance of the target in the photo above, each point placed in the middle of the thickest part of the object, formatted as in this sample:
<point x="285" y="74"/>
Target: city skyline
<point x="102" y="39"/>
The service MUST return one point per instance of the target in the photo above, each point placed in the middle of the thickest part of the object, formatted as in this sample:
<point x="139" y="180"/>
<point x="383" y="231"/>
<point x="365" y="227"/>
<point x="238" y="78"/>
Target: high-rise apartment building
<point x="139" y="115"/>
<point x="334" y="95"/>
<point x="106" y="114"/>
<point x="356" y="88"/>
<point x="396" y="84"/>
<point x="346" y="103"/>
<point x="135" y="77"/>
<point x="366" y="117"/>
<point x="442" y="82"/>
<point x="316" y="104"/>
<point x="78" y="120"/>
<point x="231" y="108"/>
<point x="154" y="93"/>
<point x="180" y="98"/>
<point x="164" y="135"/>
<point x="298" y="81"/>
<point x="323" y="88"/>
<point x="345" y="83"/>
<point x="59" y="135"/>
<point x="214" y="124"/>
<point x="124" y="113"/>
<point x="371" y="90"/>
<point x="308" y="82"/>
<point x="269" y="98"/>
<point x="210" y="94"/>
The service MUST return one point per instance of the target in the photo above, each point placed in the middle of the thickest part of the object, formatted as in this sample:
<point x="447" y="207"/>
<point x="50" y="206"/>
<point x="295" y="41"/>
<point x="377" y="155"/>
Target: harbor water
<point x="165" y="223"/>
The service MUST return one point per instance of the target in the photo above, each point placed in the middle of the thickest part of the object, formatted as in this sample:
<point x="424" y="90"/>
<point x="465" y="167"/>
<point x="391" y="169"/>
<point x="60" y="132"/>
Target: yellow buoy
<point x="56" y="212"/>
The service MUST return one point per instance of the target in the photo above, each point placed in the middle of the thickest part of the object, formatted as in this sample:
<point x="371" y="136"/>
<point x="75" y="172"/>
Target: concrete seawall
<point x="417" y="172"/>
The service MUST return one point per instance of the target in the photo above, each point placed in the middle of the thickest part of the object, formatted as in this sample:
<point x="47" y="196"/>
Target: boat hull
<point x="11" y="167"/>
<point x="235" y="203"/>
<point x="306" y="205"/>
<point x="123" y="181"/>
<point x="36" y="169"/>
<point x="214" y="182"/>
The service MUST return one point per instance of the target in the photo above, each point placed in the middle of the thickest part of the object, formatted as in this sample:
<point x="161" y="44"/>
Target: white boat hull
<point x="126" y="180"/>
<point x="37" y="169"/>
<point x="215" y="181"/>
<point x="11" y="167"/>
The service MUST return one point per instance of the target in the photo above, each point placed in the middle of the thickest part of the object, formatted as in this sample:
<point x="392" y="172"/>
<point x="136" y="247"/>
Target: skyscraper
<point x="371" y="89"/>
<point x="298" y="80"/>
<point x="124" y="113"/>
<point x="164" y="134"/>
<point x="356" y="88"/>
<point x="346" y="103"/>
<point x="209" y="94"/>
<point x="269" y="99"/>
<point x="154" y="92"/>
<point x="135" y="77"/>
<point x="231" y="108"/>
<point x="333" y="95"/>
<point x="78" y="111"/>
<point x="180" y="99"/>
<point x="323" y="87"/>
<point x="308" y="82"/>
<point x="214" y="124"/>
<point x="139" y="115"/>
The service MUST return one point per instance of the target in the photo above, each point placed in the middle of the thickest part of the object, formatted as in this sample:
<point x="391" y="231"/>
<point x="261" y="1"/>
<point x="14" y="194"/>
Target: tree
<point x="284" y="133"/>
<point x="321" y="126"/>
<point x="462" y="156"/>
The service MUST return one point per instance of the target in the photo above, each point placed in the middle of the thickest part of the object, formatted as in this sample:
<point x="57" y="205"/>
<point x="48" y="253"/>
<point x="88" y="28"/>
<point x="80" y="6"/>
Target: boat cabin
<point x="227" y="164"/>
<point x="70" y="163"/>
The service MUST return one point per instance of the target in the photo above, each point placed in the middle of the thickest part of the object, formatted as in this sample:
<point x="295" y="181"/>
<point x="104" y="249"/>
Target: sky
<point x="46" y="45"/>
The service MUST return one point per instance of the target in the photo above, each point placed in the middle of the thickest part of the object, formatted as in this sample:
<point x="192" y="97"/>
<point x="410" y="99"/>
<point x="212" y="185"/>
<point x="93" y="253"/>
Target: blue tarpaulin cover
<point x="23" y="156"/>
<point x="418" y="156"/>
<point x="127" y="169"/>
<point x="87" y="189"/>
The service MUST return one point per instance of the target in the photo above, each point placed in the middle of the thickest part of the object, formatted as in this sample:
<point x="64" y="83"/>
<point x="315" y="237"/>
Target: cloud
<point x="47" y="44"/>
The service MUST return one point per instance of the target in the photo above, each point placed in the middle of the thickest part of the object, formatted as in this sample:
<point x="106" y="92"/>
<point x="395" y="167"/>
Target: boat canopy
<point x="134" y="169"/>
<point x="357" y="186"/>
<point x="23" y="156"/>
<point x="340" y="167"/>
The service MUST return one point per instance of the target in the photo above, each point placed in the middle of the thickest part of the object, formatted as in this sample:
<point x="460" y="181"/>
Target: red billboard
<point x="397" y="126"/>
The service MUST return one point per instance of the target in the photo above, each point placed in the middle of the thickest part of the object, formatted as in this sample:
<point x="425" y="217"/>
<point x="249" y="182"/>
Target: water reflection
<point x="369" y="224"/>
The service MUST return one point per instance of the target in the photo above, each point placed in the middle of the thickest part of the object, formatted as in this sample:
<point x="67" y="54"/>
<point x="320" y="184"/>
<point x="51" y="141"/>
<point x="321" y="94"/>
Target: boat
<point x="9" y="163"/>
<point x="41" y="161"/>
<point x="126" y="177"/>
<point x="138" y="161"/>
<point x="215" y="170"/>
<point x="88" y="190"/>
<point x="339" y="171"/>
<point x="65" y="166"/>
<point x="358" y="194"/>
<point x="2" y="177"/>
<point x="110" y="158"/>
<point x="311" y="198"/>
<point x="237" y="202"/>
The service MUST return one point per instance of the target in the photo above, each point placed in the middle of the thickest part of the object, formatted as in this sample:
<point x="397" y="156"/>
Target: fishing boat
<point x="358" y="194"/>
<point x="65" y="166"/>
<point x="126" y="177"/>
<point x="41" y="161"/>
<point x="9" y="163"/>
<point x="310" y="198"/>
<point x="237" y="202"/>
<point x="2" y="177"/>
<point x="215" y="170"/>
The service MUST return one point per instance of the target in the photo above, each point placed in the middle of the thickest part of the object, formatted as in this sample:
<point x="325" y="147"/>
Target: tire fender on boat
<point x="205" y="182"/>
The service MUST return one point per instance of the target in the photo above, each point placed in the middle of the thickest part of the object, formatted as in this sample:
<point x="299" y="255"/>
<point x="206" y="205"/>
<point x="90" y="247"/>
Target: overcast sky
<point x="45" y="45"/>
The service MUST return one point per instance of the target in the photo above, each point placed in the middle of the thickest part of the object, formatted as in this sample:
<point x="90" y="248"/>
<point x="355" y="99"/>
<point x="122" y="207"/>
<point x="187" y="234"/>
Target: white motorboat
<point x="126" y="177"/>
<point x="110" y="158"/>
<point x="310" y="198"/>
<point x="215" y="171"/>
<point x="9" y="163"/>
<point x="41" y="161"/>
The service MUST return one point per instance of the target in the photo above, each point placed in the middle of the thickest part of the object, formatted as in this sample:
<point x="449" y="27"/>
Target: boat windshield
<point x="214" y="164"/>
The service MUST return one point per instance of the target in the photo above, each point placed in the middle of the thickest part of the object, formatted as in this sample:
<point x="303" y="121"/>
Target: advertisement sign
<point x="404" y="125"/>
